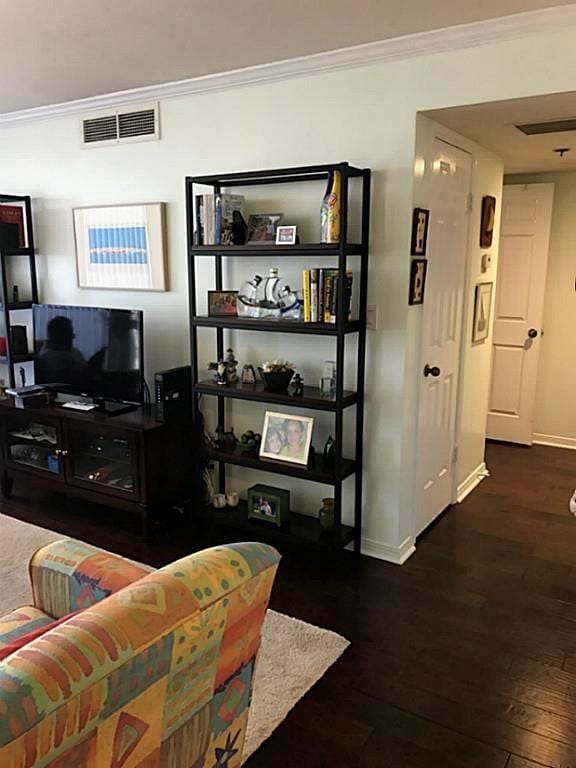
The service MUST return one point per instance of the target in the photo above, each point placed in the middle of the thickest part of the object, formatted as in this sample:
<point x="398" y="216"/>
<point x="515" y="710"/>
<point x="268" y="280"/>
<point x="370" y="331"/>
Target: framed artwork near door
<point x="482" y="309"/>
<point x="487" y="221"/>
<point x="420" y="219"/>
<point x="418" y="269"/>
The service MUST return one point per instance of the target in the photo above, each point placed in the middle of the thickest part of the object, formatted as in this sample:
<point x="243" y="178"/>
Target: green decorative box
<point x="268" y="503"/>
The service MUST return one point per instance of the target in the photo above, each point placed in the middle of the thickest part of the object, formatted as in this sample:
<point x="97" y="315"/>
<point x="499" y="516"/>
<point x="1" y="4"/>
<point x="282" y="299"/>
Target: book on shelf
<point x="320" y="292"/>
<point x="219" y="219"/>
<point x="12" y="225"/>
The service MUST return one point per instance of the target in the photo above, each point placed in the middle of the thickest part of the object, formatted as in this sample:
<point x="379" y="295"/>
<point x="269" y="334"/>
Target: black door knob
<point x="431" y="371"/>
<point x="532" y="333"/>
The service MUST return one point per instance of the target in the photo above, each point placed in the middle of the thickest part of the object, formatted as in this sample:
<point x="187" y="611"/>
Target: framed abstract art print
<point x="121" y="247"/>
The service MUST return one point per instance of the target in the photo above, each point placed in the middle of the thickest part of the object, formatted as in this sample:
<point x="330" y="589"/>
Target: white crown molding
<point x="503" y="28"/>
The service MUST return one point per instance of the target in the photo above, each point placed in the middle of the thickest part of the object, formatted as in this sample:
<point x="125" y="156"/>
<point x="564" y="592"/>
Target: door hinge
<point x="455" y="454"/>
<point x="470" y="202"/>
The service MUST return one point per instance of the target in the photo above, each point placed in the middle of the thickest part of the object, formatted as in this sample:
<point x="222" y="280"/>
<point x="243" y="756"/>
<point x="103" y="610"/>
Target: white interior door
<point x="441" y="330"/>
<point x="522" y="264"/>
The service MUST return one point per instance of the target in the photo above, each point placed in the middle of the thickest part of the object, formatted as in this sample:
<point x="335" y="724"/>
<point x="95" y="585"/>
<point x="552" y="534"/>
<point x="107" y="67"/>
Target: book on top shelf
<point x="12" y="230"/>
<point x="219" y="219"/>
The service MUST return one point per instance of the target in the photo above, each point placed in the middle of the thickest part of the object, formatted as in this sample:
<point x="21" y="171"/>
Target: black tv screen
<point x="89" y="351"/>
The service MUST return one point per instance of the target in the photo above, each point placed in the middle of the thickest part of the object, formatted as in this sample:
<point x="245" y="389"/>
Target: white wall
<point x="554" y="408"/>
<point x="486" y="179"/>
<point x="366" y="116"/>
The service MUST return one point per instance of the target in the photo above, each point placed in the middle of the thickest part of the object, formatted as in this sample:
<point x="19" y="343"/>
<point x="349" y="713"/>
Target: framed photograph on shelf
<point x="285" y="235"/>
<point x="222" y="303"/>
<point x="482" y="310"/>
<point x="269" y="504"/>
<point x="420" y="220"/>
<point x="121" y="247"/>
<point x="418" y="270"/>
<point x="487" y="221"/>
<point x="286" y="437"/>
<point x="262" y="228"/>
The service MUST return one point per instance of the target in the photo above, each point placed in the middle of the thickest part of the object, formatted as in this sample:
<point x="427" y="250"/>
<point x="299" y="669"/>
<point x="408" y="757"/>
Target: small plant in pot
<point x="276" y="375"/>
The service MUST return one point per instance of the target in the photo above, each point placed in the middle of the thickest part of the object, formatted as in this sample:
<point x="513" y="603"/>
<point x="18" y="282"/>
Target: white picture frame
<point x="286" y="234"/>
<point x="482" y="312"/>
<point x="121" y="247"/>
<point x="286" y="437"/>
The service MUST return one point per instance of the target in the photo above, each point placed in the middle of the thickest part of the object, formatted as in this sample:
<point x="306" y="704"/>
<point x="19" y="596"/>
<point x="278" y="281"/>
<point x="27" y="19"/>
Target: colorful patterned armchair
<point x="153" y="669"/>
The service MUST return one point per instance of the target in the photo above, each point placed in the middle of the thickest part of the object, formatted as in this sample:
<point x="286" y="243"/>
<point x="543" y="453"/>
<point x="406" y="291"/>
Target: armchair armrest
<point x="69" y="575"/>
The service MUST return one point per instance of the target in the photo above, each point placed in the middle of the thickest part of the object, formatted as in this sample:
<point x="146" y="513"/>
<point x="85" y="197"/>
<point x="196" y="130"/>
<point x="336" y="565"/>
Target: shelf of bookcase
<point x="299" y="529"/>
<point x="315" y="472"/>
<point x="311" y="397"/>
<point x="18" y="251"/>
<point x="277" y="175"/>
<point x="19" y="305"/>
<point x="273" y="251"/>
<point x="28" y="358"/>
<point x="274" y="326"/>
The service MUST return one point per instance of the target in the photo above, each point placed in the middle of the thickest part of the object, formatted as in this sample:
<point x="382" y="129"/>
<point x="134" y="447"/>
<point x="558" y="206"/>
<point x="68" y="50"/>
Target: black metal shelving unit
<point x="6" y="305"/>
<point x="302" y="530"/>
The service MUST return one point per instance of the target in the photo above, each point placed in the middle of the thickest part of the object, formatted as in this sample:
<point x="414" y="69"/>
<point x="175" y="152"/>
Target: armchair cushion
<point x="21" y="622"/>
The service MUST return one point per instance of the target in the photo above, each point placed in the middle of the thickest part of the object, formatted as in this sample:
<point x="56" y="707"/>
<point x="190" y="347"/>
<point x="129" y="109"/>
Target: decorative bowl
<point x="276" y="381"/>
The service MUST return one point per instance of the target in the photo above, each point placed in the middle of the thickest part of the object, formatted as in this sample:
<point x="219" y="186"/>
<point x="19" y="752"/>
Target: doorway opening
<point x="516" y="299"/>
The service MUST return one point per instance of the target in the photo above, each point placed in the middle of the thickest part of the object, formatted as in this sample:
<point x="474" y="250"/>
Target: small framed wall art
<point x="418" y="270"/>
<point x="420" y="220"/>
<point x="487" y="221"/>
<point x="482" y="310"/>
<point x="121" y="247"/>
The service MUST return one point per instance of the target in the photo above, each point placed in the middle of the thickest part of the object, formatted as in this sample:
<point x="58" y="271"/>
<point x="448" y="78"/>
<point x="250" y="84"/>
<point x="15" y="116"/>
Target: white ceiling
<point x="493" y="126"/>
<point x="59" y="50"/>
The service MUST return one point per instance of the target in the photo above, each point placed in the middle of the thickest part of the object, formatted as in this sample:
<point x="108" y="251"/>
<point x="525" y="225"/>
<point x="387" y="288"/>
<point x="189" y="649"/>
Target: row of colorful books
<point x="320" y="292"/>
<point x="219" y="219"/>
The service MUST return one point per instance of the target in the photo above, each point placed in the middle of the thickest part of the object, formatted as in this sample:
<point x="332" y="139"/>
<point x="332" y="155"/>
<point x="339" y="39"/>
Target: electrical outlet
<point x="372" y="317"/>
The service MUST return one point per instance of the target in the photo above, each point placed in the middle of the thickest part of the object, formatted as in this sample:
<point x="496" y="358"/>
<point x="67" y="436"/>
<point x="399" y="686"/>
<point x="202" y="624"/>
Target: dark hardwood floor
<point x="465" y="656"/>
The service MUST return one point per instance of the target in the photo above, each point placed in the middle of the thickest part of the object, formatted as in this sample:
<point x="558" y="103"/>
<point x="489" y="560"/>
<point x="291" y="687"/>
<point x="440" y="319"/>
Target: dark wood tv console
<point x="132" y="461"/>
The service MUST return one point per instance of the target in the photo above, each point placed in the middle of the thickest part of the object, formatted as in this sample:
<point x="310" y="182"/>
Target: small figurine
<point x="231" y="366"/>
<point x="228" y="439"/>
<point x="248" y="374"/>
<point x="329" y="453"/>
<point x="298" y="384"/>
<point x="221" y="369"/>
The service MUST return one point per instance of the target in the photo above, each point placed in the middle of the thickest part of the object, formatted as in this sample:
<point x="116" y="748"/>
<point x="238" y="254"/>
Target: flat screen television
<point x="90" y="351"/>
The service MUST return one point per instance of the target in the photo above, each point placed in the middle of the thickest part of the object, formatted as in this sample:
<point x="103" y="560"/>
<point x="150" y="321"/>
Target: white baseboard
<point x="556" y="441"/>
<point x="472" y="481"/>
<point x="397" y="555"/>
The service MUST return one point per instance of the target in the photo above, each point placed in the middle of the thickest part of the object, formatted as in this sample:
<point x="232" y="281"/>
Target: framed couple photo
<point x="286" y="437"/>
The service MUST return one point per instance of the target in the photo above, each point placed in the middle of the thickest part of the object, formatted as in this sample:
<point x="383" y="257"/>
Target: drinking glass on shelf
<point x="328" y="379"/>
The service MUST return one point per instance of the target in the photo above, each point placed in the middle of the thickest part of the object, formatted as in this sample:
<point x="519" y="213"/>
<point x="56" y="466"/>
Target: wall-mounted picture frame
<point x="121" y="247"/>
<point x="262" y="228"/>
<point x="420" y="221"/>
<point x="487" y="220"/>
<point x="222" y="303"/>
<point x="286" y="437"/>
<point x="418" y="271"/>
<point x="482" y="312"/>
<point x="286" y="235"/>
<point x="272" y="505"/>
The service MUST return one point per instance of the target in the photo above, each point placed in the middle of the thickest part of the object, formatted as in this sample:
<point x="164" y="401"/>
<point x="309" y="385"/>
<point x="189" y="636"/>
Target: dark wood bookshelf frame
<point x="343" y="468"/>
<point x="7" y="306"/>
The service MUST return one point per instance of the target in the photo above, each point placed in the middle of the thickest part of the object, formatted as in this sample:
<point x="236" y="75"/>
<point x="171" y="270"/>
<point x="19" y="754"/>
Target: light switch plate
<point x="372" y="317"/>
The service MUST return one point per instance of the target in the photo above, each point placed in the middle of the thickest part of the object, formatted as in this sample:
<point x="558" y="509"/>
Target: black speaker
<point x="173" y="394"/>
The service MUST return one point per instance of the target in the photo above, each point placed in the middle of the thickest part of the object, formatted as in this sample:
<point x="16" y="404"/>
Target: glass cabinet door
<point x="33" y="444"/>
<point x="106" y="459"/>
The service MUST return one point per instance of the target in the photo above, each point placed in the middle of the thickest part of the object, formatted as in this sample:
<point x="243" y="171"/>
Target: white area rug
<point x="294" y="655"/>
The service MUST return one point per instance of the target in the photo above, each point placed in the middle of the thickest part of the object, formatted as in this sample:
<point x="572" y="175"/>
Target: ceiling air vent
<point x="552" y="126"/>
<point x="121" y="127"/>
